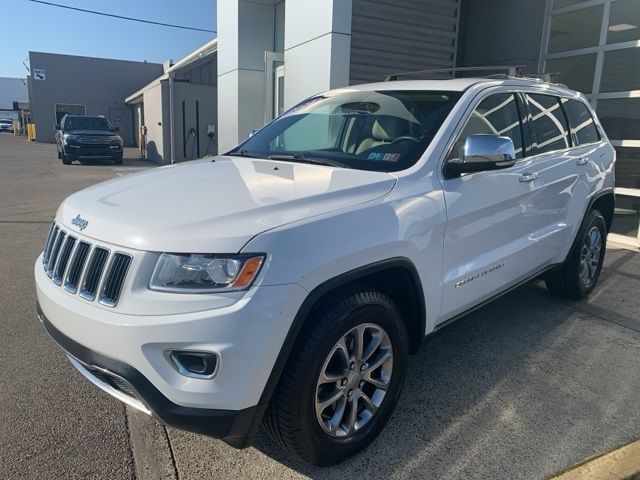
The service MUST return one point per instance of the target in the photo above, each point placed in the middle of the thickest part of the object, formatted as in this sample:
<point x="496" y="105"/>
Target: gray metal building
<point x="177" y="109"/>
<point x="61" y="84"/>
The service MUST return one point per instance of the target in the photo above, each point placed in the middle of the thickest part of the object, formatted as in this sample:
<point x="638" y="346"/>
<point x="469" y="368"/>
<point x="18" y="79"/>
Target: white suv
<point x="287" y="281"/>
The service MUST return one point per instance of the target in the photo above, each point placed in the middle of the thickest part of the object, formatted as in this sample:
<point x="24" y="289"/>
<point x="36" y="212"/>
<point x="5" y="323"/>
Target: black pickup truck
<point x="85" y="136"/>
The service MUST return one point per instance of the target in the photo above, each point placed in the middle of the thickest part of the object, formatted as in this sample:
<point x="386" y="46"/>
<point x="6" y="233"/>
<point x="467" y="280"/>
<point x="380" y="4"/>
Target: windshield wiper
<point x="299" y="157"/>
<point x="246" y="154"/>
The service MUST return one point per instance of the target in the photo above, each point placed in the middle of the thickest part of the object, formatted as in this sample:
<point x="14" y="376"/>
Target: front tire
<point x="579" y="274"/>
<point x="343" y="378"/>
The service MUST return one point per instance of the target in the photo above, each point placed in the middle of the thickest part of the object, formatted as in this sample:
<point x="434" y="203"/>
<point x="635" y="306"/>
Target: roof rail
<point x="512" y="70"/>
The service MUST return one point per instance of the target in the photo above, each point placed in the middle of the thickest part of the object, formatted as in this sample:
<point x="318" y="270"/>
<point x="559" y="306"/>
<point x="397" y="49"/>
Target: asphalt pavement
<point x="523" y="388"/>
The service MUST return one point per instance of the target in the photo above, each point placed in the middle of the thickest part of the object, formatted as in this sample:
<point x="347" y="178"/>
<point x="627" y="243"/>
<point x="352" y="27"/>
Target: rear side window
<point x="581" y="121"/>
<point x="495" y="115"/>
<point x="549" y="123"/>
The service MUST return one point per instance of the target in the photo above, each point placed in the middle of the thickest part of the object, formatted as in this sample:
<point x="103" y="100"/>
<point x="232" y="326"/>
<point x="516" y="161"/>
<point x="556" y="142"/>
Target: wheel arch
<point x="604" y="201"/>
<point x="376" y="275"/>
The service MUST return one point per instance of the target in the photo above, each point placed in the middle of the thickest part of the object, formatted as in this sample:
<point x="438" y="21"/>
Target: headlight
<point x="115" y="139"/>
<point x="204" y="273"/>
<point x="70" y="138"/>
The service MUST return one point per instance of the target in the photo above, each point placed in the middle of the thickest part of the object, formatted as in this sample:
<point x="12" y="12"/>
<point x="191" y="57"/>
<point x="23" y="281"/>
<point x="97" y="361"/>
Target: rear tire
<point x="66" y="159"/>
<point x="580" y="271"/>
<point x="328" y="377"/>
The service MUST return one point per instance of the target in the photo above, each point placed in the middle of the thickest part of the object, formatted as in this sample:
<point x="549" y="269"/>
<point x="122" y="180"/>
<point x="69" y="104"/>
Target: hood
<point x="214" y="207"/>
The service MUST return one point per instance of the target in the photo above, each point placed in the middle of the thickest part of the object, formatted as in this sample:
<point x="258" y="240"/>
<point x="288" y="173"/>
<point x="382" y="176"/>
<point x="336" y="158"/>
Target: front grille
<point x="94" y="140"/>
<point x="79" y="266"/>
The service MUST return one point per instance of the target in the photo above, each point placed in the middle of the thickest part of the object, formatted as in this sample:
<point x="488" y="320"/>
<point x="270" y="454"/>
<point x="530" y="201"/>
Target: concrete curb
<point x="152" y="454"/>
<point x="621" y="463"/>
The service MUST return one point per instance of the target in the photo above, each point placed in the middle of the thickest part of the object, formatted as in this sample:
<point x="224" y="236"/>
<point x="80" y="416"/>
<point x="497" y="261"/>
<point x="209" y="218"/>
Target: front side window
<point x="581" y="122"/>
<point x="368" y="130"/>
<point x="495" y="115"/>
<point x="549" y="124"/>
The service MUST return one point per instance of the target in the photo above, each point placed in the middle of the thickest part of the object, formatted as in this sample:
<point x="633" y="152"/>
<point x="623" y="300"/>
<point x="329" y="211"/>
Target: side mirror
<point x="116" y="129"/>
<point x="482" y="152"/>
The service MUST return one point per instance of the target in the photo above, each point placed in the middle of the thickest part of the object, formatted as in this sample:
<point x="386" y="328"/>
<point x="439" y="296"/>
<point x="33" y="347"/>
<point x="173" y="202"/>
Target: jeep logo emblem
<point x="80" y="222"/>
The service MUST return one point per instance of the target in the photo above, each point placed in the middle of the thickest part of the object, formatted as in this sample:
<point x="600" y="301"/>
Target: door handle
<point x="528" y="177"/>
<point x="582" y="161"/>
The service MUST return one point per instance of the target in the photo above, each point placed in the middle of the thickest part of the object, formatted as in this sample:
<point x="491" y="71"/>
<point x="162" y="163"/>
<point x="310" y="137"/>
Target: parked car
<point x="80" y="136"/>
<point x="6" y="125"/>
<point x="288" y="281"/>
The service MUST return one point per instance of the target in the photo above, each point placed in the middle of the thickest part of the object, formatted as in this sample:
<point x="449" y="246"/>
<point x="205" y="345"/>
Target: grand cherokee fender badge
<point x="479" y="274"/>
<point x="80" y="222"/>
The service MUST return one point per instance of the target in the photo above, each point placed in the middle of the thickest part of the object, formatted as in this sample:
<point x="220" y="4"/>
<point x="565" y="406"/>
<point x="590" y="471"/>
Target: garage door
<point x="401" y="35"/>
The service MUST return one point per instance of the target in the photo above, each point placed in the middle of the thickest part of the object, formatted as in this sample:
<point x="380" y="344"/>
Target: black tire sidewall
<point x="317" y="440"/>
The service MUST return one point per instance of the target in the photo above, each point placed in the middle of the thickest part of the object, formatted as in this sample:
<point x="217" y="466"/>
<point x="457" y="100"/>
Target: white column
<point x="317" y="44"/>
<point x="245" y="32"/>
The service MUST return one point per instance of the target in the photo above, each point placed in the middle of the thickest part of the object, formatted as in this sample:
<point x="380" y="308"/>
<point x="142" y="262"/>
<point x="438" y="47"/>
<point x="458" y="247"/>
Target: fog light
<point x="195" y="364"/>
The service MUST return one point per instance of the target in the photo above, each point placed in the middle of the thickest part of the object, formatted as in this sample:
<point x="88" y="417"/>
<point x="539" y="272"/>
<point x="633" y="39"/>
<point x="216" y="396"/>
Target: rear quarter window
<point x="581" y="122"/>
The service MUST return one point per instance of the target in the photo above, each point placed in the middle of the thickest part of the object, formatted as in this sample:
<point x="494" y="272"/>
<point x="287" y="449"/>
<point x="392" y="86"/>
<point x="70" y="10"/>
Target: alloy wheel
<point x="354" y="380"/>
<point x="590" y="256"/>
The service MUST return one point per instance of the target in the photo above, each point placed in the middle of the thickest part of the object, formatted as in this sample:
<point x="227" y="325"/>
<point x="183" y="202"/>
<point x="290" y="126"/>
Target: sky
<point x="31" y="26"/>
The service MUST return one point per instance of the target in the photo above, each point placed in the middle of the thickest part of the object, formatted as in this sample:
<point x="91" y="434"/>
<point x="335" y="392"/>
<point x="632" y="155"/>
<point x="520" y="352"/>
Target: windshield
<point x="86" y="123"/>
<point x="368" y="130"/>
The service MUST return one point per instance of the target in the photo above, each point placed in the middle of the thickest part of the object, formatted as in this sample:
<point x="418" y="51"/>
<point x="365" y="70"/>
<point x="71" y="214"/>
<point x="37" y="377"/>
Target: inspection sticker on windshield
<point x="386" y="157"/>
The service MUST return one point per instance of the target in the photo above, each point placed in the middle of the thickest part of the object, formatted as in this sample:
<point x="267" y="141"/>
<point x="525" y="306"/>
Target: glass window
<point x="626" y="216"/>
<point x="495" y="115"/>
<point x="577" y="29"/>
<point x="620" y="118"/>
<point x="575" y="72"/>
<point x="549" y="123"/>
<point x="384" y="130"/>
<point x="620" y="70"/>
<point x="624" y="21"/>
<point x="581" y="121"/>
<point x="628" y="167"/>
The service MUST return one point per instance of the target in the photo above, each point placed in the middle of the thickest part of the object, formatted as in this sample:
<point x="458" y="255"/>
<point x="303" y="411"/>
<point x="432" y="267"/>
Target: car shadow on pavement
<point x="527" y="383"/>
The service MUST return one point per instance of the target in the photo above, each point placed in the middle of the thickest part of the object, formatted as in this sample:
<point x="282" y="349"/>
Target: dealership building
<point x="271" y="54"/>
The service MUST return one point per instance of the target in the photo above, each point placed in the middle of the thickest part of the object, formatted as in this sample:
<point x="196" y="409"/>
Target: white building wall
<point x="245" y="32"/>
<point x="317" y="47"/>
<point x="12" y="90"/>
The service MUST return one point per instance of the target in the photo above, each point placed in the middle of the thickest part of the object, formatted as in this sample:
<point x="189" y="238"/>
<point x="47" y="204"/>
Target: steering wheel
<point x="404" y="138"/>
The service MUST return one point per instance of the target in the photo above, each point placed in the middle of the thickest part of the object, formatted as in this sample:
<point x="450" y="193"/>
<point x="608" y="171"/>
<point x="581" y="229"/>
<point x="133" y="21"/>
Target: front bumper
<point x="247" y="333"/>
<point x="236" y="427"/>
<point x="77" y="151"/>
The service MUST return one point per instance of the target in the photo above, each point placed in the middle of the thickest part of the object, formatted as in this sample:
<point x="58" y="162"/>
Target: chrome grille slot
<point x="76" y="266"/>
<point x="115" y="279"/>
<point x="93" y="274"/>
<point x="49" y="246"/>
<point x="55" y="251"/>
<point x="63" y="261"/>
